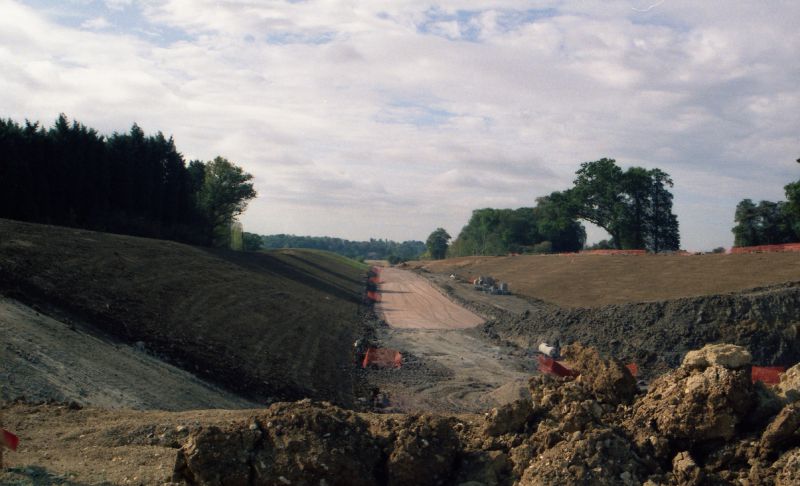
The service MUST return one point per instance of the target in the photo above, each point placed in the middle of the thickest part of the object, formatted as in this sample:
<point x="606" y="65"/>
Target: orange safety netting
<point x="375" y="280"/>
<point x="766" y="248"/>
<point x="770" y="375"/>
<point x="633" y="368"/>
<point x="374" y="296"/>
<point x="382" y="358"/>
<point x="553" y="367"/>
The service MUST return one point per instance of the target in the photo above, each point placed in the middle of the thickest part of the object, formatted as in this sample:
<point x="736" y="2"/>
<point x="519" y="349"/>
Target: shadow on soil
<point x="35" y="476"/>
<point x="273" y="265"/>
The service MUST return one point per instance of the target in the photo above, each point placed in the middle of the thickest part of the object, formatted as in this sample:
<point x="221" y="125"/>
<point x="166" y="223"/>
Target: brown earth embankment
<point x="265" y="325"/>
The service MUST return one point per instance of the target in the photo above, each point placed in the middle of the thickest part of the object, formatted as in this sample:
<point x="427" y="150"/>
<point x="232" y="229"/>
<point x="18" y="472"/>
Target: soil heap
<point x="705" y="422"/>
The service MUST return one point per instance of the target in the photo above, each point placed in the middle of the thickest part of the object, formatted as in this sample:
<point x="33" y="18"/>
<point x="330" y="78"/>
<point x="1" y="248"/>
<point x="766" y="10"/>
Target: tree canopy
<point x="374" y="249"/>
<point x="542" y="229"/>
<point x="633" y="206"/>
<point x="437" y="243"/>
<point x="126" y="183"/>
<point x="768" y="223"/>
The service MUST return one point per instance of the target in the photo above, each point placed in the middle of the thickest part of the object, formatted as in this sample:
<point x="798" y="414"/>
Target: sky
<point x="389" y="118"/>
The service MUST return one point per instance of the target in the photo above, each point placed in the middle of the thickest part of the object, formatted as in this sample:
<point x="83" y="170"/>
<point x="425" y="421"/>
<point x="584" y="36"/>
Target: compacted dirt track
<point x="411" y="302"/>
<point x="447" y="365"/>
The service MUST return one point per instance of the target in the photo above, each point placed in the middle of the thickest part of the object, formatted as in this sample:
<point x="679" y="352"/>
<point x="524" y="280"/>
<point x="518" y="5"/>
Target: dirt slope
<point x="275" y="325"/>
<point x="44" y="359"/>
<point x="595" y="280"/>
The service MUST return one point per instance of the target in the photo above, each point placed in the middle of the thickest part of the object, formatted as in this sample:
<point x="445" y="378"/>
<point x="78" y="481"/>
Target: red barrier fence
<point x="553" y="367"/>
<point x="633" y="368"/>
<point x="374" y="296"/>
<point x="382" y="358"/>
<point x="9" y="440"/>
<point x="614" y="252"/>
<point x="766" y="248"/>
<point x="771" y="375"/>
<point x="375" y="280"/>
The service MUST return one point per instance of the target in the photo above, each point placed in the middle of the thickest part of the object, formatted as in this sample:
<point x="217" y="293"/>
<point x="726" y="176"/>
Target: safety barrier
<point x="553" y="367"/>
<point x="10" y="440"/>
<point x="633" y="368"/>
<point x="771" y="375"/>
<point x="374" y="296"/>
<point x="382" y="358"/>
<point x="614" y="252"/>
<point x="766" y="248"/>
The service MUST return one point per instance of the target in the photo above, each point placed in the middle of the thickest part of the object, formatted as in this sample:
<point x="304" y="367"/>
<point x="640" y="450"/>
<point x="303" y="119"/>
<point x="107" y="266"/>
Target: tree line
<point x="768" y="222"/>
<point x="634" y="206"/>
<point x="127" y="183"/>
<point x="373" y="249"/>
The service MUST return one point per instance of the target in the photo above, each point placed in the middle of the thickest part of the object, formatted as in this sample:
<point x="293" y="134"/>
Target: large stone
<point x="690" y="406"/>
<point x="726" y="355"/>
<point x="790" y="383"/>
<point x="608" y="379"/>
<point x="782" y="431"/>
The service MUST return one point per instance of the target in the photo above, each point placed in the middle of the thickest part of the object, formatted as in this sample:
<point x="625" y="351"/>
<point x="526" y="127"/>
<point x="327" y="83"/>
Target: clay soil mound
<point x="265" y="325"/>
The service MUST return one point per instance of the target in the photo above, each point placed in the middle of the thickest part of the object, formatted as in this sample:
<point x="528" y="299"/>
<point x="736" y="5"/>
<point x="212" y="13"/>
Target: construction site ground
<point x="575" y="280"/>
<point x="448" y="365"/>
<point x="101" y="324"/>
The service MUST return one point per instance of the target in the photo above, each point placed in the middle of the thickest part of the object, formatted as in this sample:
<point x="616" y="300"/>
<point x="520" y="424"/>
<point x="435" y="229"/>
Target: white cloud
<point x="96" y="23"/>
<point x="389" y="118"/>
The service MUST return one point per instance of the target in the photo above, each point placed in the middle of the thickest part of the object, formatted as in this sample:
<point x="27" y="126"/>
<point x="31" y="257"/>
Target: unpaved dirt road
<point x="43" y="359"/>
<point x="447" y="366"/>
<point x="411" y="302"/>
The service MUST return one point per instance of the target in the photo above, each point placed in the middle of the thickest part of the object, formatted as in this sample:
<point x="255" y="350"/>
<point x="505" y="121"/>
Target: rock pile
<point x="705" y="422"/>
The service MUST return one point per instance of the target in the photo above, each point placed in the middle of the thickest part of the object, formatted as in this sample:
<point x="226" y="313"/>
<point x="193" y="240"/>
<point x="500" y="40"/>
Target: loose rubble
<point x="703" y="423"/>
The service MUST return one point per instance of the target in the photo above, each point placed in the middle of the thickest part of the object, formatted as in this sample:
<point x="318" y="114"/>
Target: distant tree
<point x="661" y="227"/>
<point x="601" y="245"/>
<point x="251" y="242"/>
<point x="394" y="259"/>
<point x="792" y="208"/>
<point x="719" y="249"/>
<point x="556" y="223"/>
<point x="224" y="195"/>
<point x="633" y="206"/>
<point x="597" y="196"/>
<point x="767" y="223"/>
<point x="437" y="243"/>
<point x="372" y="249"/>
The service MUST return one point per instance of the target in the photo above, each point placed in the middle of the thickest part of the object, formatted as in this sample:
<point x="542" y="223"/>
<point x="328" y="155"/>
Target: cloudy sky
<point x="388" y="118"/>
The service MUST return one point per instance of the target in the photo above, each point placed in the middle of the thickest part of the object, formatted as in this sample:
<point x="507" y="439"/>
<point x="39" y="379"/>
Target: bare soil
<point x="447" y="365"/>
<point x="595" y="280"/>
<point x="269" y="326"/>
<point x="410" y="302"/>
<point x="43" y="359"/>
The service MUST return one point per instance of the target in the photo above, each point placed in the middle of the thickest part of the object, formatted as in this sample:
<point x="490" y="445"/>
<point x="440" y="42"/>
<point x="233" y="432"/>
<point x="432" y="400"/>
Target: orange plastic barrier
<point x="382" y="358"/>
<point x="374" y="296"/>
<point x="765" y="248"/>
<point x="553" y="367"/>
<point x="771" y="375"/>
<point x="614" y="252"/>
<point x="375" y="280"/>
<point x="633" y="368"/>
<point x="9" y="440"/>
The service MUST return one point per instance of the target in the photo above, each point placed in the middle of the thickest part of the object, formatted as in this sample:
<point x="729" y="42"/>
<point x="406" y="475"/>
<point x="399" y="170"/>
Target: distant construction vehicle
<point x="490" y="286"/>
